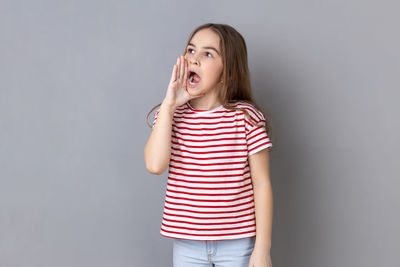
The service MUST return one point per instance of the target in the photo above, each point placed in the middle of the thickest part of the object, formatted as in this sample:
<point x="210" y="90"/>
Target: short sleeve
<point x="256" y="135"/>
<point x="155" y="118"/>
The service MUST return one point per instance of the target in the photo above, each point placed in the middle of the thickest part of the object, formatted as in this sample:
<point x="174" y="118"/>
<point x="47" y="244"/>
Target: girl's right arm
<point x="157" y="151"/>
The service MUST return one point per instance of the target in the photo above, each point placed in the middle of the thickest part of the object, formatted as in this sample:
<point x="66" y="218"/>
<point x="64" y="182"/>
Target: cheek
<point x="213" y="69"/>
<point x="215" y="72"/>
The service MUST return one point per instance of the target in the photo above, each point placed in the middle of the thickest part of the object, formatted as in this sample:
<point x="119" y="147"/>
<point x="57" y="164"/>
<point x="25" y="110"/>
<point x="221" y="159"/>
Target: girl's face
<point x="204" y="57"/>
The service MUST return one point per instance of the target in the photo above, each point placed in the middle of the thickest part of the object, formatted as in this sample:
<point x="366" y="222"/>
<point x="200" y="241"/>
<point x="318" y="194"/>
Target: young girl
<point x="213" y="139"/>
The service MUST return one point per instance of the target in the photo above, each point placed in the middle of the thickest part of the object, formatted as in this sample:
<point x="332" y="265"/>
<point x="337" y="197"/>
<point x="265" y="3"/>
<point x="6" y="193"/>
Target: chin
<point x="195" y="91"/>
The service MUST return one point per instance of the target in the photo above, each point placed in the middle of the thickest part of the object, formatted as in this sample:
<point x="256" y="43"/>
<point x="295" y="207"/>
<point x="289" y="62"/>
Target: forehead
<point x="205" y="37"/>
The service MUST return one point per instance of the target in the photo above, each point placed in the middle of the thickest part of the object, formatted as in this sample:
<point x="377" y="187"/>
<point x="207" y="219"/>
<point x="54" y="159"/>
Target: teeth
<point x="191" y="78"/>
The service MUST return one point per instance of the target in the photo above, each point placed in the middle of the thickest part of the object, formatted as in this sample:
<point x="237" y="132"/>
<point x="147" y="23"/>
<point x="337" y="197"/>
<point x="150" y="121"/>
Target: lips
<point x="194" y="76"/>
<point x="193" y="79"/>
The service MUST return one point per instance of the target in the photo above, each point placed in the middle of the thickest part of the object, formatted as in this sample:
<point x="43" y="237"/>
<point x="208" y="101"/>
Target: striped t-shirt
<point x="209" y="193"/>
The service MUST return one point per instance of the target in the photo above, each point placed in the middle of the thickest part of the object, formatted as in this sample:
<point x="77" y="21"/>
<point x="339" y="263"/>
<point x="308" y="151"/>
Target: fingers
<point x="173" y="76"/>
<point x="185" y="73"/>
<point x="182" y="71"/>
<point x="178" y="68"/>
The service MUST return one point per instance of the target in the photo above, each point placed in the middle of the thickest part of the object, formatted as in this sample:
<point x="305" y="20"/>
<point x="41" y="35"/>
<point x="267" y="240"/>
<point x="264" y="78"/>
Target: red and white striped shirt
<point x="209" y="193"/>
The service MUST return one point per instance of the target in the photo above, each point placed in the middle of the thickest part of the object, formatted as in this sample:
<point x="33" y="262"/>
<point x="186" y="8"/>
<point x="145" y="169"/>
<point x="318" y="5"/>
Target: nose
<point x="192" y="59"/>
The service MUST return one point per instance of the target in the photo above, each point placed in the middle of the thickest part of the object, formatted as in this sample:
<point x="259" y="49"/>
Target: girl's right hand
<point x="177" y="93"/>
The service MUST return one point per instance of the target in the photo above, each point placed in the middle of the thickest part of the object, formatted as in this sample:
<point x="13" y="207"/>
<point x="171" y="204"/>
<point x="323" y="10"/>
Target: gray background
<point x="77" y="79"/>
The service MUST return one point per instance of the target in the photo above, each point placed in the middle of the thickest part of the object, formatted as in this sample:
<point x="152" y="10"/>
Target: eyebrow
<point x="206" y="47"/>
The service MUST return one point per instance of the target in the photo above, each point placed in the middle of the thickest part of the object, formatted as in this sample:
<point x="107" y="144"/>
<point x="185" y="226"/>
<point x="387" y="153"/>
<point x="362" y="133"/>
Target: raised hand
<point x="177" y="93"/>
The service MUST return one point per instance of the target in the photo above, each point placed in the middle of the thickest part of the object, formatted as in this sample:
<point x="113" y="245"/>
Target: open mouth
<point x="194" y="78"/>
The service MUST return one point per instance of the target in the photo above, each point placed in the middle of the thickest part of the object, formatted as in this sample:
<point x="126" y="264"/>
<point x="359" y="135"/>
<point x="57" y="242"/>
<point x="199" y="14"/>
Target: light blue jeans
<point x="207" y="253"/>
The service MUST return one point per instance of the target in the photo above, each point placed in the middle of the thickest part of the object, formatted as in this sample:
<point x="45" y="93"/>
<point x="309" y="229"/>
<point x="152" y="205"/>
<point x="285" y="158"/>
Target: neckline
<point x="204" y="110"/>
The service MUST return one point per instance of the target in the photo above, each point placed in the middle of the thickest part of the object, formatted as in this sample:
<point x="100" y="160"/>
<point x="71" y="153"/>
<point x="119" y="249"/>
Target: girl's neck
<point x="203" y="105"/>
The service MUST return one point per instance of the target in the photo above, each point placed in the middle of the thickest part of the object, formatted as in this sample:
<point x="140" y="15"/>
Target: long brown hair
<point x="236" y="77"/>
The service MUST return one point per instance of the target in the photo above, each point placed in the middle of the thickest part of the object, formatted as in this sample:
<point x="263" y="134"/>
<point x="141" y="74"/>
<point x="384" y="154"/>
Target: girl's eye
<point x="190" y="51"/>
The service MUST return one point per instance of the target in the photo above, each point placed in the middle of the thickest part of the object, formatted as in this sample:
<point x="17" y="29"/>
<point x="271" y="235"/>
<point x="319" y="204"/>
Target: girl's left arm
<point x="263" y="198"/>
